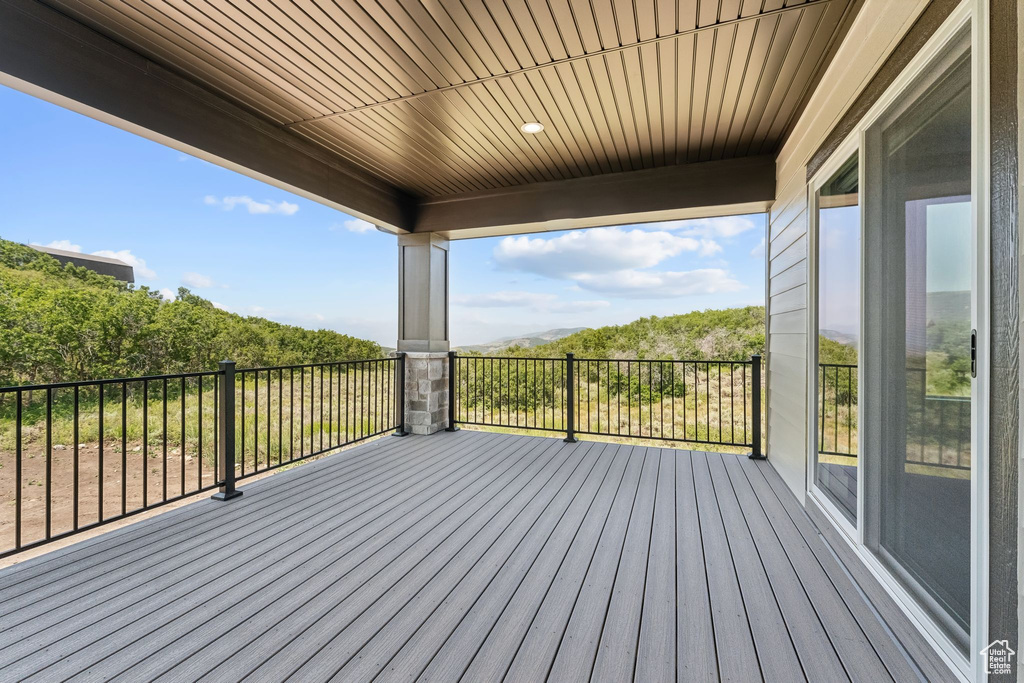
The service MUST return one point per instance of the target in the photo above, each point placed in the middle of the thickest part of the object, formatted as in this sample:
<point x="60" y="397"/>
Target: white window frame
<point x="847" y="149"/>
<point x="974" y="13"/>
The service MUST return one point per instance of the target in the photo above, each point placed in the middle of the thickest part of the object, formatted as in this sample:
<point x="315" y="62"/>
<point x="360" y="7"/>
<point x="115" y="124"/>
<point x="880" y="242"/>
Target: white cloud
<point x="635" y="284"/>
<point x="759" y="249"/>
<point x="598" y="250"/>
<point x="198" y="280"/>
<point x="609" y="261"/>
<point x="137" y="264"/>
<point x="722" y="226"/>
<point x="125" y="255"/>
<point x="709" y="247"/>
<point x="355" y="225"/>
<point x="66" y="245"/>
<point x="578" y="306"/>
<point x="502" y="299"/>
<point x="219" y="305"/>
<point x="167" y="294"/>
<point x="251" y="205"/>
<point x="539" y="302"/>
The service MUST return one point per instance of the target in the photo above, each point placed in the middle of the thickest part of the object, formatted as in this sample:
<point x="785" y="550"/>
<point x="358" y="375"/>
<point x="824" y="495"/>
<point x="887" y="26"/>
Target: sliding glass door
<point x="920" y="240"/>
<point x="897" y="299"/>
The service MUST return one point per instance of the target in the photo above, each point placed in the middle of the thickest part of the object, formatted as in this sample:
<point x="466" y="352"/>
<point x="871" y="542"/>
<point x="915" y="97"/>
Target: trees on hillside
<point x="61" y="323"/>
<point x="726" y="334"/>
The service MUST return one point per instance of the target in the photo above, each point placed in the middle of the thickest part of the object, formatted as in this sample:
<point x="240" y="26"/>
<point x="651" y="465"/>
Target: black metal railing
<point x="293" y="412"/>
<point x="76" y="455"/>
<point x="837" y="413"/>
<point x="940" y="433"/>
<point x="938" y="427"/>
<point x="705" y="402"/>
<point x="524" y="393"/>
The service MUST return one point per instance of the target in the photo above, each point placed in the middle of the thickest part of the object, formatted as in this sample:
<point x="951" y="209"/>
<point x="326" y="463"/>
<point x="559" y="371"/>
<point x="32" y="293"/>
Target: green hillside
<point x="727" y="334"/>
<point x="62" y="323"/>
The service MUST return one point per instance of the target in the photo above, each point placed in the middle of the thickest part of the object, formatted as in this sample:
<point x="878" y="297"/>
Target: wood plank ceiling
<point x="429" y="95"/>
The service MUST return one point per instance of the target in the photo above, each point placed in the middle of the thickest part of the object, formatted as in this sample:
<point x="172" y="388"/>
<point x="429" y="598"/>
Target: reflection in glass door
<point x="921" y="157"/>
<point x="838" y="272"/>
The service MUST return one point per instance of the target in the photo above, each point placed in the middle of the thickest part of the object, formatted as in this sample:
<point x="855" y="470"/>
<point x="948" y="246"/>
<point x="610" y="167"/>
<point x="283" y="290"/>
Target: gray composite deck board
<point x="466" y="556"/>
<point x="792" y="517"/>
<point x="738" y="658"/>
<point x="348" y="578"/>
<point x="620" y="633"/>
<point x="575" y="657"/>
<point x="829" y="649"/>
<point x="656" y="651"/>
<point x="696" y="652"/>
<point x="776" y="649"/>
<point x="923" y="662"/>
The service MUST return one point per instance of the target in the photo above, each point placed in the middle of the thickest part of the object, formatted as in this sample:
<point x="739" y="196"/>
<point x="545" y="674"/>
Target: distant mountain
<point x="525" y="341"/>
<point x="949" y="306"/>
<point x="844" y="338"/>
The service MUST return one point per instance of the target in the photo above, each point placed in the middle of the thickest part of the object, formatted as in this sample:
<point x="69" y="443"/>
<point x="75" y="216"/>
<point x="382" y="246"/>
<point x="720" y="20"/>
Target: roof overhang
<point x="641" y="141"/>
<point x="700" y="190"/>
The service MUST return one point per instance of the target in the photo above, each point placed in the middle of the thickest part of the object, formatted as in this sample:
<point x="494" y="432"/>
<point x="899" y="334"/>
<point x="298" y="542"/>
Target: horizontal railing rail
<point x="77" y="455"/>
<point x="696" y="401"/>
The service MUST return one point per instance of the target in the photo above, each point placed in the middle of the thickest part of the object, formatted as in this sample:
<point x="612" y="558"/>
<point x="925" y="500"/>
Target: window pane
<point x="838" y="336"/>
<point x="925" y="488"/>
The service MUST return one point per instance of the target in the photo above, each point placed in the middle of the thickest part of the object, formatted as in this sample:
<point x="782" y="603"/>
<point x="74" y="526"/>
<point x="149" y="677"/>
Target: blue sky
<point x="77" y="183"/>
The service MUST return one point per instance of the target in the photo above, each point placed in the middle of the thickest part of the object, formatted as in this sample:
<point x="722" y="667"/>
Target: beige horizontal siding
<point x="877" y="29"/>
<point x="788" y="279"/>
<point x="787" y="338"/>
<point x="794" y="299"/>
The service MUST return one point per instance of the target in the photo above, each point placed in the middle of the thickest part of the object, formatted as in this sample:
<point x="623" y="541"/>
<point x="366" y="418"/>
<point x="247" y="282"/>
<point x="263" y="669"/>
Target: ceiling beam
<point x="699" y="190"/>
<point x="559" y="62"/>
<point x="49" y="55"/>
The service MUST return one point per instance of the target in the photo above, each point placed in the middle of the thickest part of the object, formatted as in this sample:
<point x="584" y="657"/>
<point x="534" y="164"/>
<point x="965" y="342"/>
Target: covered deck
<point x="469" y="556"/>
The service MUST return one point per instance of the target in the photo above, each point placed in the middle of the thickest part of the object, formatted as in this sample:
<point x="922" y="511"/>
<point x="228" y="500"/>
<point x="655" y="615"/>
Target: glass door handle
<point x="974" y="353"/>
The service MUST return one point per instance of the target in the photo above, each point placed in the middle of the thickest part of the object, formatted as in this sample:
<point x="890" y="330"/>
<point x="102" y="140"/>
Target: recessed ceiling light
<point x="532" y="127"/>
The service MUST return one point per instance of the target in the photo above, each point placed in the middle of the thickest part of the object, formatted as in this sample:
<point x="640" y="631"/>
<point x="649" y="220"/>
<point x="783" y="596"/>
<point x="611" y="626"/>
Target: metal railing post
<point x="452" y="427"/>
<point x="400" y="394"/>
<point x="570" y="399"/>
<point x="755" y="406"/>
<point x="226" y="431"/>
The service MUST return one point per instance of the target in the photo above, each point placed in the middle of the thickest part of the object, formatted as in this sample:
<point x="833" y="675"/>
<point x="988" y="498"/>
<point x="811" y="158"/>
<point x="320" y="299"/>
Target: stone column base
<point x="426" y="392"/>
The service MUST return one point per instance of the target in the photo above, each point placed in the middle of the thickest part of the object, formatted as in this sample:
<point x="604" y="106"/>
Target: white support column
<point x="423" y="329"/>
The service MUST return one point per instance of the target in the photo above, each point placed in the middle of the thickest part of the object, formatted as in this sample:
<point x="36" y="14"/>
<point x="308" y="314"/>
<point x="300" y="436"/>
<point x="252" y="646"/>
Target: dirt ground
<point x="33" y="491"/>
<point x="62" y="493"/>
